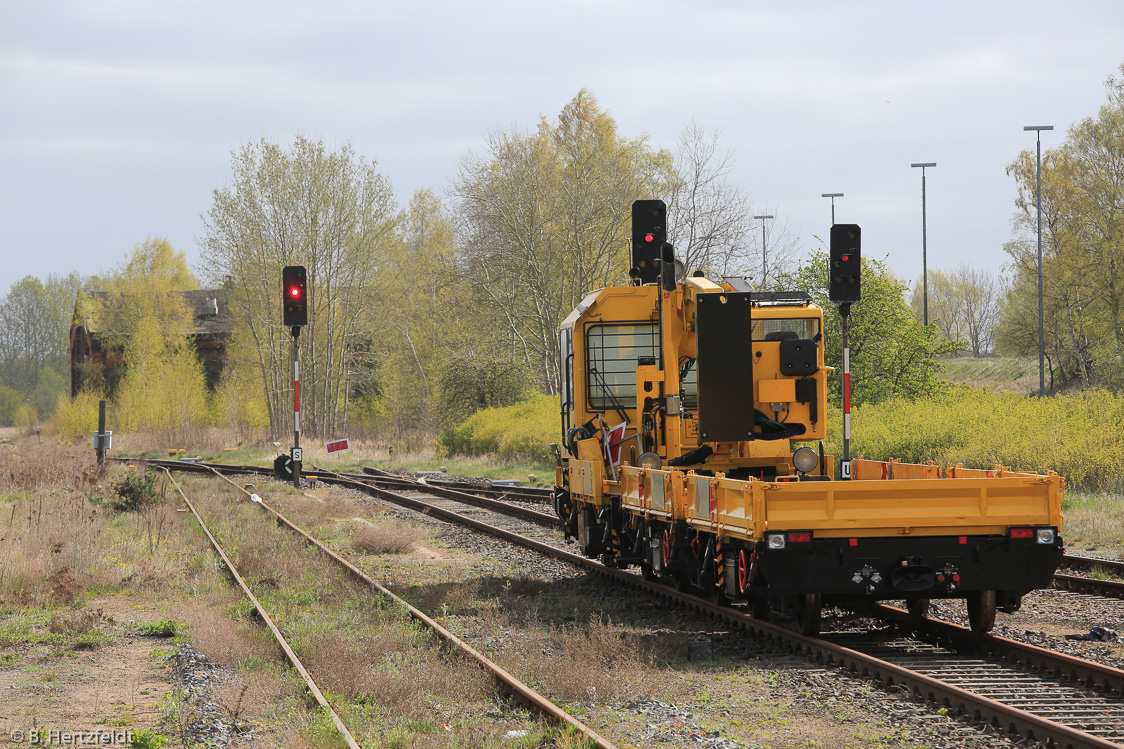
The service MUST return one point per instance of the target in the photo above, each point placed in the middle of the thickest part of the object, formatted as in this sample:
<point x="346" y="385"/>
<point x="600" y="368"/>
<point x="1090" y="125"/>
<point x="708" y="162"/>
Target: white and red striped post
<point x="845" y="465"/>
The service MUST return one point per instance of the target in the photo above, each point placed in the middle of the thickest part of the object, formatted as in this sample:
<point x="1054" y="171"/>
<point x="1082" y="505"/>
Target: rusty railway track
<point x="1092" y="585"/>
<point x="1015" y="687"/>
<point x="313" y="689"/>
<point x="507" y="681"/>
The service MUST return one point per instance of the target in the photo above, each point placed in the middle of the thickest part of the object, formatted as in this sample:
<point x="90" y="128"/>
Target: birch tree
<point x="305" y="205"/>
<point x="1083" y="250"/>
<point x="544" y="217"/>
<point x="964" y="305"/>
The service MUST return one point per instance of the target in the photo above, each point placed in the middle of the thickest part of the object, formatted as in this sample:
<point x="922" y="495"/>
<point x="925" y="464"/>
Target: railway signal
<point x="649" y="233"/>
<point x="294" y="308"/>
<point x="294" y="284"/>
<point x="844" y="287"/>
<point x="845" y="277"/>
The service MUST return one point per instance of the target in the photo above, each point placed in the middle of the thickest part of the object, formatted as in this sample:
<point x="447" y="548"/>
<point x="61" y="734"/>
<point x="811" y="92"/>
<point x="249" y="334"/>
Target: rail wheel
<point x="808" y="614"/>
<point x="918" y="608"/>
<point x="981" y="611"/>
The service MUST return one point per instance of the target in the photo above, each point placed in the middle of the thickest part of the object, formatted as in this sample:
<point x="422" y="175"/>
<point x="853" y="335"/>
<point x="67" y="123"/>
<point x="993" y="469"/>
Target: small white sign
<point x="845" y="469"/>
<point x="297" y="454"/>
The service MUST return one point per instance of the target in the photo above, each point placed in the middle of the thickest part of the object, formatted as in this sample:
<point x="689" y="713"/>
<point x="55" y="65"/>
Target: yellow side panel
<point x="739" y="508"/>
<point x="631" y="497"/>
<point x="585" y="480"/>
<point x="937" y="506"/>
<point x="776" y="391"/>
<point x="701" y="500"/>
<point x="874" y="470"/>
<point x="590" y="449"/>
<point x="654" y="492"/>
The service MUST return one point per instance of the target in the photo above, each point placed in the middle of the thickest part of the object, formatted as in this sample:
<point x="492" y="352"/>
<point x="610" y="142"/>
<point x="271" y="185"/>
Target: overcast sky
<point x="118" y="118"/>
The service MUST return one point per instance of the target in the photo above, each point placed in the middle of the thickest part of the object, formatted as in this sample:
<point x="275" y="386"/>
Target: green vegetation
<point x="1081" y="228"/>
<point x="34" y="351"/>
<point x="513" y="433"/>
<point x="1076" y="435"/>
<point x="892" y="354"/>
<point x="137" y="491"/>
<point x="145" y="739"/>
<point x="1001" y="374"/>
<point x="1094" y="522"/>
<point x="163" y="628"/>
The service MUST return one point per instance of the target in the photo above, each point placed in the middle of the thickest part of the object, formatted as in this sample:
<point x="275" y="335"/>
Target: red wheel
<point x="665" y="547"/>
<point x="743" y="571"/>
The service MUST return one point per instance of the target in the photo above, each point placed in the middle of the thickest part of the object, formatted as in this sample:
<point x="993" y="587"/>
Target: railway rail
<point x="277" y="635"/>
<point x="1092" y="585"/>
<point x="1011" y="685"/>
<point x="487" y="489"/>
<point x="503" y="500"/>
<point x="506" y="680"/>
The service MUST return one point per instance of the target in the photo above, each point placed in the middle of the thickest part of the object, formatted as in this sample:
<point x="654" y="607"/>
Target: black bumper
<point x="906" y="567"/>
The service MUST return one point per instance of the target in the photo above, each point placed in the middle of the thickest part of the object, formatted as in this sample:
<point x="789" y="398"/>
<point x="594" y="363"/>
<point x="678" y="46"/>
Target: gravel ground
<point x="1047" y="616"/>
<point x="196" y="676"/>
<point x="746" y="694"/>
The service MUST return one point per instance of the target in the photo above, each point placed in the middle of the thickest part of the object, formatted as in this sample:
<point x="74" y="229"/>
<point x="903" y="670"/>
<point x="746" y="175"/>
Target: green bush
<point x="137" y="492"/>
<point x="163" y="628"/>
<point x="1077" y="435"/>
<point x="520" y="432"/>
<point x="76" y="418"/>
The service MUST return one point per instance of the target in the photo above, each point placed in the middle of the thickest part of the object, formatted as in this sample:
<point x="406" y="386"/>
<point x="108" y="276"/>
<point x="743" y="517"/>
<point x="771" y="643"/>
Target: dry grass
<point x="594" y="662"/>
<point x="267" y="689"/>
<point x="198" y="439"/>
<point x="391" y="665"/>
<point x="993" y="373"/>
<point x="81" y="621"/>
<point x="386" y="537"/>
<point x="228" y="633"/>
<point x="389" y="680"/>
<point x="1094" y="522"/>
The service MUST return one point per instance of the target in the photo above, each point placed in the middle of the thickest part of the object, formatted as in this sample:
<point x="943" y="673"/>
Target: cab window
<point x="779" y="329"/>
<point x="612" y="355"/>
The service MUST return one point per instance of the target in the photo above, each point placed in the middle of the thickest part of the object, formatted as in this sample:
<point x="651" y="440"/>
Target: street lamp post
<point x="764" y="248"/>
<point x="833" y="196"/>
<point x="1041" y="327"/>
<point x="924" y="245"/>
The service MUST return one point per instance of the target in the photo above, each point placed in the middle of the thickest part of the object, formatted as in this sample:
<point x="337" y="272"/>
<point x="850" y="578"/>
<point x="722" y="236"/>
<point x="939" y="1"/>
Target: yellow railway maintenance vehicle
<point x="683" y="403"/>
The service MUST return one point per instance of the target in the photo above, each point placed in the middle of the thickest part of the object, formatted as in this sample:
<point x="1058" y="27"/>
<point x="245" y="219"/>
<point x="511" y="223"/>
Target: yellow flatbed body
<point x="736" y="508"/>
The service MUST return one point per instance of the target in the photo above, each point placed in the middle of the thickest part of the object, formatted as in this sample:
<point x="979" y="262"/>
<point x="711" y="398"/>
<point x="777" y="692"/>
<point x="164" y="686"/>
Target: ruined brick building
<point x="93" y="362"/>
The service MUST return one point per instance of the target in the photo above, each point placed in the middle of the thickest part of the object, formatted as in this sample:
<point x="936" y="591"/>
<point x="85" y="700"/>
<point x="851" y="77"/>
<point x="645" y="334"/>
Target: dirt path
<point x="108" y="689"/>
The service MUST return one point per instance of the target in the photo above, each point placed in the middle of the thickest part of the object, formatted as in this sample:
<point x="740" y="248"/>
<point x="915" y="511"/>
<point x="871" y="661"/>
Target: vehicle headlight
<point x="805" y="460"/>
<point x="650" y="460"/>
<point x="1045" y="535"/>
<point x="775" y="540"/>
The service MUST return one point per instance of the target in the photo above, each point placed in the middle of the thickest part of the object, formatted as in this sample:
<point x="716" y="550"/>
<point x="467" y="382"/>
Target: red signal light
<point x="1022" y="533"/>
<point x="649" y="237"/>
<point x="800" y="537"/>
<point x="845" y="258"/>
<point x="294" y="289"/>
